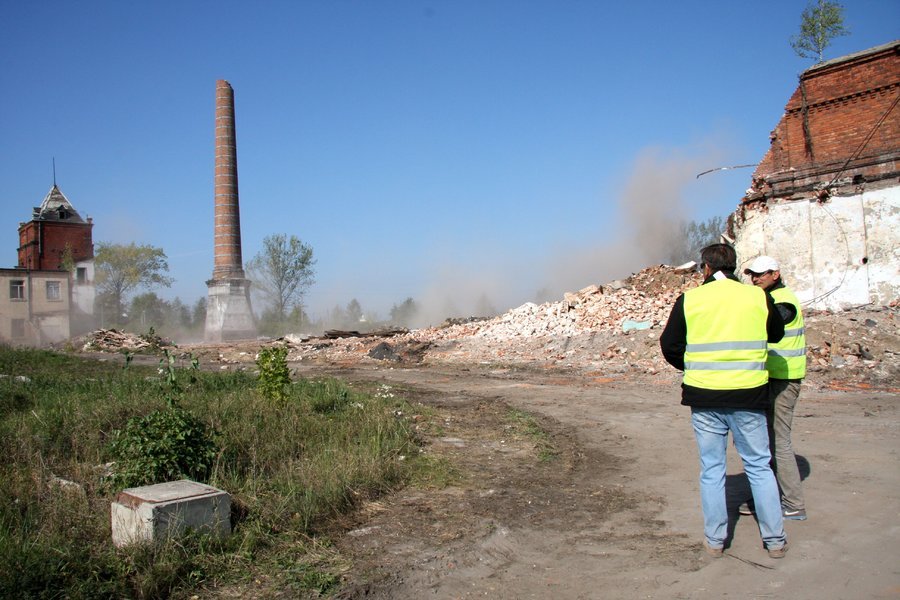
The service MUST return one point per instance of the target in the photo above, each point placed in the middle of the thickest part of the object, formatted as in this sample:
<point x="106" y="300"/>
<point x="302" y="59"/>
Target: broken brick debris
<point x="609" y="329"/>
<point x="112" y="340"/>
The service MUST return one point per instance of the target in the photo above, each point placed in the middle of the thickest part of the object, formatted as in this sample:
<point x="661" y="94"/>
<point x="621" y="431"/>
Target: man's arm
<point x="787" y="311"/>
<point x="774" y="322"/>
<point x="673" y="340"/>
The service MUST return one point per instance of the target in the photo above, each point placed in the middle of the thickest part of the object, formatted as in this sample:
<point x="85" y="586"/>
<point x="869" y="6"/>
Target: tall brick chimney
<point x="228" y="218"/>
<point x="228" y="312"/>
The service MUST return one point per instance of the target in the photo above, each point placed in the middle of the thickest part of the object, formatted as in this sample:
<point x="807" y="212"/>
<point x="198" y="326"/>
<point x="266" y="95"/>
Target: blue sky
<point x="440" y="150"/>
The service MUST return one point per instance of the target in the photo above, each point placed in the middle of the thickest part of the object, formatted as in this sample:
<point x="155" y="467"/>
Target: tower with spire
<point x="51" y="289"/>
<point x="56" y="236"/>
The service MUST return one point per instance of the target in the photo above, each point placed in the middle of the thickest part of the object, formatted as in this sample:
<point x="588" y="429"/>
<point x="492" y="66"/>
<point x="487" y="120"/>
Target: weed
<point x="523" y="423"/>
<point x="274" y="376"/>
<point x="154" y="341"/>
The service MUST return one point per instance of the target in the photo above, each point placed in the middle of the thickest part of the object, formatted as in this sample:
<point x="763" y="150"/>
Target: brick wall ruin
<point x="825" y="199"/>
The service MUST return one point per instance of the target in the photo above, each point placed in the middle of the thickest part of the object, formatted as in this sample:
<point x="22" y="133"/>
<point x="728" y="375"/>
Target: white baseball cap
<point x="761" y="264"/>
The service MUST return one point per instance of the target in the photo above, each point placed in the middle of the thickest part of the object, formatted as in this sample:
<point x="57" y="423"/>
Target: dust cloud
<point x="643" y="222"/>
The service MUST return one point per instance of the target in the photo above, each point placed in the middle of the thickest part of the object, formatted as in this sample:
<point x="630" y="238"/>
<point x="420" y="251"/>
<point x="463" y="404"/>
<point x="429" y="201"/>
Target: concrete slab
<point x="154" y="512"/>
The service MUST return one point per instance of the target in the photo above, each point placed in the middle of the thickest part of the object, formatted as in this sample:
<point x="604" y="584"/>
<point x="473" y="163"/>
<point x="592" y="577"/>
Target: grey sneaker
<point x="712" y="551"/>
<point x="778" y="552"/>
<point x="794" y="514"/>
<point x="747" y="508"/>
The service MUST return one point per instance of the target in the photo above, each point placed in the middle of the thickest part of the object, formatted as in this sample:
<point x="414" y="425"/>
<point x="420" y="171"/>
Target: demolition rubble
<point x="113" y="340"/>
<point x="609" y="330"/>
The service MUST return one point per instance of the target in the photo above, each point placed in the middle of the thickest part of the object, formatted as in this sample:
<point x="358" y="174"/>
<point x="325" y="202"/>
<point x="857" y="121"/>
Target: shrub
<point x="165" y="445"/>
<point x="274" y="376"/>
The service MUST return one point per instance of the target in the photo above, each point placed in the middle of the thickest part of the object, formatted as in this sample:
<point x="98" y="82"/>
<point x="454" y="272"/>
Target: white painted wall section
<point x="835" y="255"/>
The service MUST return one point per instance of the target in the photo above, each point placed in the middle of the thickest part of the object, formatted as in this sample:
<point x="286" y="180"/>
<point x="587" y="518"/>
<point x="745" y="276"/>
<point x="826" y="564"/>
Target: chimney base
<point x="228" y="312"/>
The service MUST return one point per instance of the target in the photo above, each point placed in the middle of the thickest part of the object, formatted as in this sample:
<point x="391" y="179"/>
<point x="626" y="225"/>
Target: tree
<point x="820" y="23"/>
<point x="281" y="272"/>
<point x="354" y="311"/>
<point x="180" y="314"/>
<point x="338" y="317"/>
<point x="148" y="310"/>
<point x="121" y="269"/>
<point x="198" y="313"/>
<point x="693" y="237"/>
<point x="405" y="312"/>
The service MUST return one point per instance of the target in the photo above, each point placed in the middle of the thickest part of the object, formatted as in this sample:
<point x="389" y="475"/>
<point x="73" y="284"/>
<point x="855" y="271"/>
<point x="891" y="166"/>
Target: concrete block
<point x="152" y="513"/>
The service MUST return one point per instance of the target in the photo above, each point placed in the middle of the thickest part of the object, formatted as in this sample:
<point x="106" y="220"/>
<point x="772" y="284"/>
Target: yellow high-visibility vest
<point x="787" y="358"/>
<point x="726" y="336"/>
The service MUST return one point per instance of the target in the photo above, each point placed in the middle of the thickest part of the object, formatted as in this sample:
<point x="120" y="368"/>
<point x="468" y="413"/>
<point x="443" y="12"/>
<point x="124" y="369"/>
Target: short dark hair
<point x="719" y="257"/>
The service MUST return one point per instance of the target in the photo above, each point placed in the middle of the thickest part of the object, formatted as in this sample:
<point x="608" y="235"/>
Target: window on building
<point x="81" y="275"/>
<point x="18" y="329"/>
<point x="16" y="289"/>
<point x="53" y="290"/>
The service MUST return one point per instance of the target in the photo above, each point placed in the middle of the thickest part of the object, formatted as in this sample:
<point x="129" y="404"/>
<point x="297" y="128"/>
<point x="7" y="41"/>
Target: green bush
<point x="165" y="445"/>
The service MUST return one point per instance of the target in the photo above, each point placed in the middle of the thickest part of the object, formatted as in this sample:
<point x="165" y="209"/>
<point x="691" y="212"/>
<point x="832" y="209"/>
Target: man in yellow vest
<point x="717" y="334"/>
<point x="786" y="364"/>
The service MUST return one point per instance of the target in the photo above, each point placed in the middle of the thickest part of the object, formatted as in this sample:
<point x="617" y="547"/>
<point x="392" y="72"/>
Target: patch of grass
<point x="291" y="466"/>
<point x="433" y="472"/>
<point x="524" y="424"/>
<point x="317" y="568"/>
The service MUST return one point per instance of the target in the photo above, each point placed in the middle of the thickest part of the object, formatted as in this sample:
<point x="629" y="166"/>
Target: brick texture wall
<point x="42" y="244"/>
<point x="841" y="122"/>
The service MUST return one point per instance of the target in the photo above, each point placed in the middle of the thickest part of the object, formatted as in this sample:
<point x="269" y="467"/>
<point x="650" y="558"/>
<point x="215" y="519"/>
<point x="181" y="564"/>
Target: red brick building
<point x="825" y="198"/>
<point x="49" y="295"/>
<point x="55" y="229"/>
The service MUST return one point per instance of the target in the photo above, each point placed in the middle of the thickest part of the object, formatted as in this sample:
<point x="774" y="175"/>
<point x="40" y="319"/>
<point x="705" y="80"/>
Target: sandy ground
<point x="616" y="514"/>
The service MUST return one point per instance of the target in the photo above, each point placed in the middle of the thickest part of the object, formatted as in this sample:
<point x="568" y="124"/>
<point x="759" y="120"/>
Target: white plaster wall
<point x="836" y="255"/>
<point x="54" y="328"/>
<point x="83" y="295"/>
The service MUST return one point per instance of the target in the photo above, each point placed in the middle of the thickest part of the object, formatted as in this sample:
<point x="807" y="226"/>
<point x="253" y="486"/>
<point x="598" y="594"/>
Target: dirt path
<point x="616" y="513"/>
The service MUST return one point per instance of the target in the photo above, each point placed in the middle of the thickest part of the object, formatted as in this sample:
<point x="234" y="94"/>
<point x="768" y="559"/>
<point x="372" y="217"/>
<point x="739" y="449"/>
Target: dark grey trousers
<point x="783" y="396"/>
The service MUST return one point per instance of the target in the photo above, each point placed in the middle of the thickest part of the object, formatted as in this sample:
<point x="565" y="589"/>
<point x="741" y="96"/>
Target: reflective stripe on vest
<point x="713" y="346"/>
<point x="787" y="358"/>
<point x="726" y="336"/>
<point x="725" y="366"/>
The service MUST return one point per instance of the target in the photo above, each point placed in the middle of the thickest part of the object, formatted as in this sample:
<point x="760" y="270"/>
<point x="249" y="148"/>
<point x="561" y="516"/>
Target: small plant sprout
<point x="274" y="376"/>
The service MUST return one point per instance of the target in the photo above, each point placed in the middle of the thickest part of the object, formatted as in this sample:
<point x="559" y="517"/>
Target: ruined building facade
<point x="228" y="312"/>
<point x="49" y="295"/>
<point x="825" y="199"/>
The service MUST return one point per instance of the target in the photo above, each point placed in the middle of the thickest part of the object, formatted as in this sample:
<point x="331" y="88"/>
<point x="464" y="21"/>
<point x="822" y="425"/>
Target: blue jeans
<point x="751" y="439"/>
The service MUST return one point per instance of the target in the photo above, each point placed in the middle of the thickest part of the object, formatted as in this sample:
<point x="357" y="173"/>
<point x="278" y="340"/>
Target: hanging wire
<point x="725" y="169"/>
<point x="824" y="295"/>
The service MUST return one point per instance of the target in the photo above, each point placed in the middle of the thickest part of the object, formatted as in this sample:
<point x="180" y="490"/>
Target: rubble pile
<point x="614" y="328"/>
<point x="112" y="340"/>
<point x="863" y="342"/>
<point x="642" y="301"/>
<point x="542" y="333"/>
<point x="611" y="329"/>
